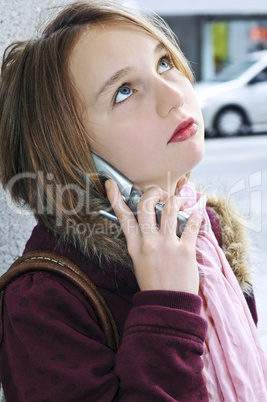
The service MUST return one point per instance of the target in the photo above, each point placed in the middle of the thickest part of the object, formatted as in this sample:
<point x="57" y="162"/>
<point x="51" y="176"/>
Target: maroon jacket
<point x="52" y="348"/>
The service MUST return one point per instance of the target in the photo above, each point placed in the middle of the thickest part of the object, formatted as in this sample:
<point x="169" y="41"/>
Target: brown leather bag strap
<point x="48" y="261"/>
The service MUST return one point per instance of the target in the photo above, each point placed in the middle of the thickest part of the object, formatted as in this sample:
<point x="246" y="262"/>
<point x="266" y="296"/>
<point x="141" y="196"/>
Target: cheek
<point x="191" y="96"/>
<point x="129" y="131"/>
<point x="117" y="142"/>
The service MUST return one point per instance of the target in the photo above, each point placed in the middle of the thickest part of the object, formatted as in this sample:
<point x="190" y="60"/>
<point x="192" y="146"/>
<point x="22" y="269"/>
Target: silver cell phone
<point x="130" y="195"/>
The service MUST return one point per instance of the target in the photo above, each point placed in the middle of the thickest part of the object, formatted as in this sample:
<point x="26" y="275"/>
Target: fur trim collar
<point x="235" y="241"/>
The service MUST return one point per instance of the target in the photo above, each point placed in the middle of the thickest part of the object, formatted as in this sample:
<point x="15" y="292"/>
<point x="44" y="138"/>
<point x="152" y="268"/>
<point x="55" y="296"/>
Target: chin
<point x="197" y="151"/>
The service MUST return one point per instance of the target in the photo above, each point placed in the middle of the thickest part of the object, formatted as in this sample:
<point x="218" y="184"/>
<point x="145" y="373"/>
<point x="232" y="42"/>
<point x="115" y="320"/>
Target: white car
<point x="236" y="101"/>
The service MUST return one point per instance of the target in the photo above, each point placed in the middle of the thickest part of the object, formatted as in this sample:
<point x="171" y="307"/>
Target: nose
<point x="168" y="97"/>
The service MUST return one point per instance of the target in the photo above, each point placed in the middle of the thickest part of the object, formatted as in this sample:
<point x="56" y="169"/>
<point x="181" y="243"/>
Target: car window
<point x="262" y="76"/>
<point x="233" y="71"/>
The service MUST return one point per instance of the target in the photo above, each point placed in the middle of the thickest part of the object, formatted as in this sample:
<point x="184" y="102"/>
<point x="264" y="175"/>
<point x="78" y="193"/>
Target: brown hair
<point x="44" y="148"/>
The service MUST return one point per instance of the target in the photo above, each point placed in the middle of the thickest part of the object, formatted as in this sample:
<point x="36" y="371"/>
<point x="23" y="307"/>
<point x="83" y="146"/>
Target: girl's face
<point x="134" y="101"/>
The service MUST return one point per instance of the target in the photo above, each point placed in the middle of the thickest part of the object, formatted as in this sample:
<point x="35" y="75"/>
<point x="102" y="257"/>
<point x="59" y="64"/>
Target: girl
<point x="102" y="78"/>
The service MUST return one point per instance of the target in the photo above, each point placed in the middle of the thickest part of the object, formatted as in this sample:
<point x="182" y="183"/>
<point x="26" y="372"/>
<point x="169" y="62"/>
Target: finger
<point x="181" y="182"/>
<point x="122" y="211"/>
<point x="146" y="208"/>
<point x="192" y="228"/>
<point x="169" y="214"/>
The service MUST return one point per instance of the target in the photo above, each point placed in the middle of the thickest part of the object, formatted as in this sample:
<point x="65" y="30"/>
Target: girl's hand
<point x="162" y="261"/>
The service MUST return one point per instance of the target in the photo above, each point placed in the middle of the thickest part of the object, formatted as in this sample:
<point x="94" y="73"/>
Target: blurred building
<point x="213" y="35"/>
<point x="213" y="41"/>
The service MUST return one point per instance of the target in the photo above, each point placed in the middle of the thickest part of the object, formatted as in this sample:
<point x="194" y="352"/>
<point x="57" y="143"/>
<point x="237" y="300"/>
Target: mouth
<point x="184" y="130"/>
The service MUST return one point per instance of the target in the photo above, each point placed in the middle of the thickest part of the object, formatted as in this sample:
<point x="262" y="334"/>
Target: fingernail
<point x="108" y="184"/>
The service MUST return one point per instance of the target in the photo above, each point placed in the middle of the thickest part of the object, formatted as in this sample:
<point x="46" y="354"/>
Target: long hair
<point x="44" y="148"/>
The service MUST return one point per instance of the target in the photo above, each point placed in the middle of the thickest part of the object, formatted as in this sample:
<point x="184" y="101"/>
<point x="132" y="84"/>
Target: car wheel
<point x="230" y="122"/>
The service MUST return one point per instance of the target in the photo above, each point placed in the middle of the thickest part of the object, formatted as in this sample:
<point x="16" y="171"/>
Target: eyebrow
<point x="122" y="73"/>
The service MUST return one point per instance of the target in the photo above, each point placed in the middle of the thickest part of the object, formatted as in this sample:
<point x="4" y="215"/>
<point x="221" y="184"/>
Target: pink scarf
<point x="235" y="365"/>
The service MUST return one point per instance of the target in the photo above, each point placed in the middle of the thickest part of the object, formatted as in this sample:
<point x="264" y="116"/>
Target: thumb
<point x="192" y="227"/>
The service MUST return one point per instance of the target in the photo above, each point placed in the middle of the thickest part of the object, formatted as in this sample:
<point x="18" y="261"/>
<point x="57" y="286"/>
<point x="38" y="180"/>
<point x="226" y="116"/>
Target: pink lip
<point x="184" y="130"/>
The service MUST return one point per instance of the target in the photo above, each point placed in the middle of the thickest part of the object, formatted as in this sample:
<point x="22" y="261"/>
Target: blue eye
<point x="164" y="65"/>
<point x="123" y="93"/>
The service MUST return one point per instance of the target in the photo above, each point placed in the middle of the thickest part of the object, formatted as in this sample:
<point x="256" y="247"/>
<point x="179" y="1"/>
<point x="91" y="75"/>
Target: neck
<point x="169" y="184"/>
